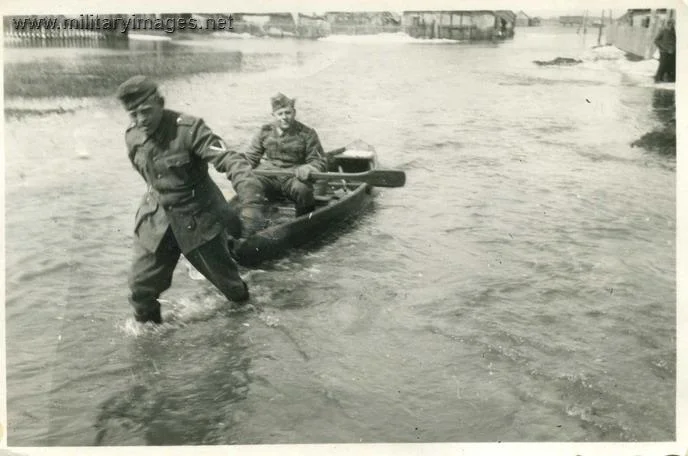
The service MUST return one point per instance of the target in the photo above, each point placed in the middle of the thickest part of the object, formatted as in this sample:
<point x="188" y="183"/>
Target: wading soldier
<point x="287" y="144"/>
<point x="183" y="211"/>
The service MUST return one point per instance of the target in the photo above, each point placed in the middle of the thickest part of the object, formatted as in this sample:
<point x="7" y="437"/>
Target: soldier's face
<point x="285" y="117"/>
<point x="148" y="114"/>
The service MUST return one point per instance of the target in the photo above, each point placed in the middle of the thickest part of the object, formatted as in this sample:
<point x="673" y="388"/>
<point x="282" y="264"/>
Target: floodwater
<point x="520" y="287"/>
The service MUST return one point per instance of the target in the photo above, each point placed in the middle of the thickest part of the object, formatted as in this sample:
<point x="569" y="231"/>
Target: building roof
<point x="371" y="13"/>
<point x="505" y="14"/>
<point x="313" y="16"/>
<point x="264" y="14"/>
<point x="467" y="12"/>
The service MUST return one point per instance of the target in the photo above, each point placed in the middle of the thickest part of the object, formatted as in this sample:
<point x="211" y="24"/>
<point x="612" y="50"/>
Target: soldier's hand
<point x="303" y="172"/>
<point x="252" y="218"/>
<point x="231" y="221"/>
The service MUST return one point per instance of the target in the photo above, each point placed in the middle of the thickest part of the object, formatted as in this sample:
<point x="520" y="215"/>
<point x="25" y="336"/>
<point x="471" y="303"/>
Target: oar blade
<point x="386" y="178"/>
<point x="375" y="177"/>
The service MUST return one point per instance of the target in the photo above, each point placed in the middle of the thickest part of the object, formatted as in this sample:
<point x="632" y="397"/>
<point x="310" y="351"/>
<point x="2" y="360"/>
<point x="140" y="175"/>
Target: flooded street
<point x="520" y="286"/>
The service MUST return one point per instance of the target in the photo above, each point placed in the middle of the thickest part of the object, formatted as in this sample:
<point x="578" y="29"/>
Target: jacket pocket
<point x="177" y="166"/>
<point x="177" y="160"/>
<point x="148" y="206"/>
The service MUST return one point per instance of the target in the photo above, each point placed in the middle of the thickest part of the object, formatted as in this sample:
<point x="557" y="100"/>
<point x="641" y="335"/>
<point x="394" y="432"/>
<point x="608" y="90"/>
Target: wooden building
<point x="312" y="26"/>
<point x="635" y="31"/>
<point x="363" y="23"/>
<point x="522" y="19"/>
<point x="457" y="25"/>
<point x="281" y="25"/>
<point x="571" y="20"/>
<point x="505" y="23"/>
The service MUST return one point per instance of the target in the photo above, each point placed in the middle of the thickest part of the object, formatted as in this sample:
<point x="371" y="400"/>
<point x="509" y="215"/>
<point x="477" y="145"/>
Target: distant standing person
<point x="286" y="143"/>
<point x="666" y="43"/>
<point x="183" y="211"/>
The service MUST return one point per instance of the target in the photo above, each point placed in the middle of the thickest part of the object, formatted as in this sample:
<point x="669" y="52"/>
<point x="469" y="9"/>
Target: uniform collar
<point x="168" y="119"/>
<point x="294" y="127"/>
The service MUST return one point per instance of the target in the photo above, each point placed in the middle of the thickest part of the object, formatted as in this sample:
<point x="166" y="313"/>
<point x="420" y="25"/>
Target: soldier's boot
<point x="153" y="316"/>
<point x="246" y="295"/>
<point x="148" y="311"/>
<point x="237" y="296"/>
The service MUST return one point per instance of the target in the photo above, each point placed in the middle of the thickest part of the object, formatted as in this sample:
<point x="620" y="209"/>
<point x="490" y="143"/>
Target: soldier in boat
<point x="285" y="144"/>
<point x="183" y="211"/>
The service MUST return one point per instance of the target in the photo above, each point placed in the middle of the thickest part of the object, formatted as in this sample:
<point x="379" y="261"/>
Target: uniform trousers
<point x="301" y="193"/>
<point x="151" y="273"/>
<point x="667" y="66"/>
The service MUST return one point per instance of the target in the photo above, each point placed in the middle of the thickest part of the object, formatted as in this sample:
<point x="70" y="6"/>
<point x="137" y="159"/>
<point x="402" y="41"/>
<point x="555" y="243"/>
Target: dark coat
<point x="181" y="195"/>
<point x="299" y="145"/>
<point x="666" y="40"/>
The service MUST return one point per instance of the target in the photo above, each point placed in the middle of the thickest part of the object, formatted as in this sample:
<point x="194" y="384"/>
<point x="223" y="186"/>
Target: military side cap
<point x="280" y="101"/>
<point x="135" y="90"/>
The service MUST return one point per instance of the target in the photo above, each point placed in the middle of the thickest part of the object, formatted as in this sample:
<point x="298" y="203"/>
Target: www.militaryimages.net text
<point x="120" y="23"/>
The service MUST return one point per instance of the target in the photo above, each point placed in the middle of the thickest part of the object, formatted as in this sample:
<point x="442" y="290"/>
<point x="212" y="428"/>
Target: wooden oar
<point x="334" y="152"/>
<point x="374" y="177"/>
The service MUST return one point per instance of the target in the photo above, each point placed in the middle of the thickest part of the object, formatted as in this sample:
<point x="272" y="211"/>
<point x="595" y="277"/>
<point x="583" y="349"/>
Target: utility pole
<point x="583" y="24"/>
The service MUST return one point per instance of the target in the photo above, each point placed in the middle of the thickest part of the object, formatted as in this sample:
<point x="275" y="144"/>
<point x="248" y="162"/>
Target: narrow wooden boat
<point x="336" y="201"/>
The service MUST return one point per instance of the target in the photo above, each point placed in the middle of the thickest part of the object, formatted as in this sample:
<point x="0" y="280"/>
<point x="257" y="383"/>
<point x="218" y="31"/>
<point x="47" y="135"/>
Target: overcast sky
<point x="530" y="7"/>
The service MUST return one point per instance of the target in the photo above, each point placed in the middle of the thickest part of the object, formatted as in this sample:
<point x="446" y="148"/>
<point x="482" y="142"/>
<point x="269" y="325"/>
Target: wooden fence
<point x="637" y="36"/>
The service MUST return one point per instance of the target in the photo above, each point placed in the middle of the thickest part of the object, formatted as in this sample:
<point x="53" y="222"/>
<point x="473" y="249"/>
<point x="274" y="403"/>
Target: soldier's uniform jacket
<point x="181" y="194"/>
<point x="286" y="149"/>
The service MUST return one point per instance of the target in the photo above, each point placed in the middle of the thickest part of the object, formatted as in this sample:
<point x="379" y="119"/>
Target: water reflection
<point x="157" y="46"/>
<point x="85" y="74"/>
<point x="67" y="42"/>
<point x="80" y="43"/>
<point x="175" y="396"/>
<point x="662" y="139"/>
<point x="664" y="105"/>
